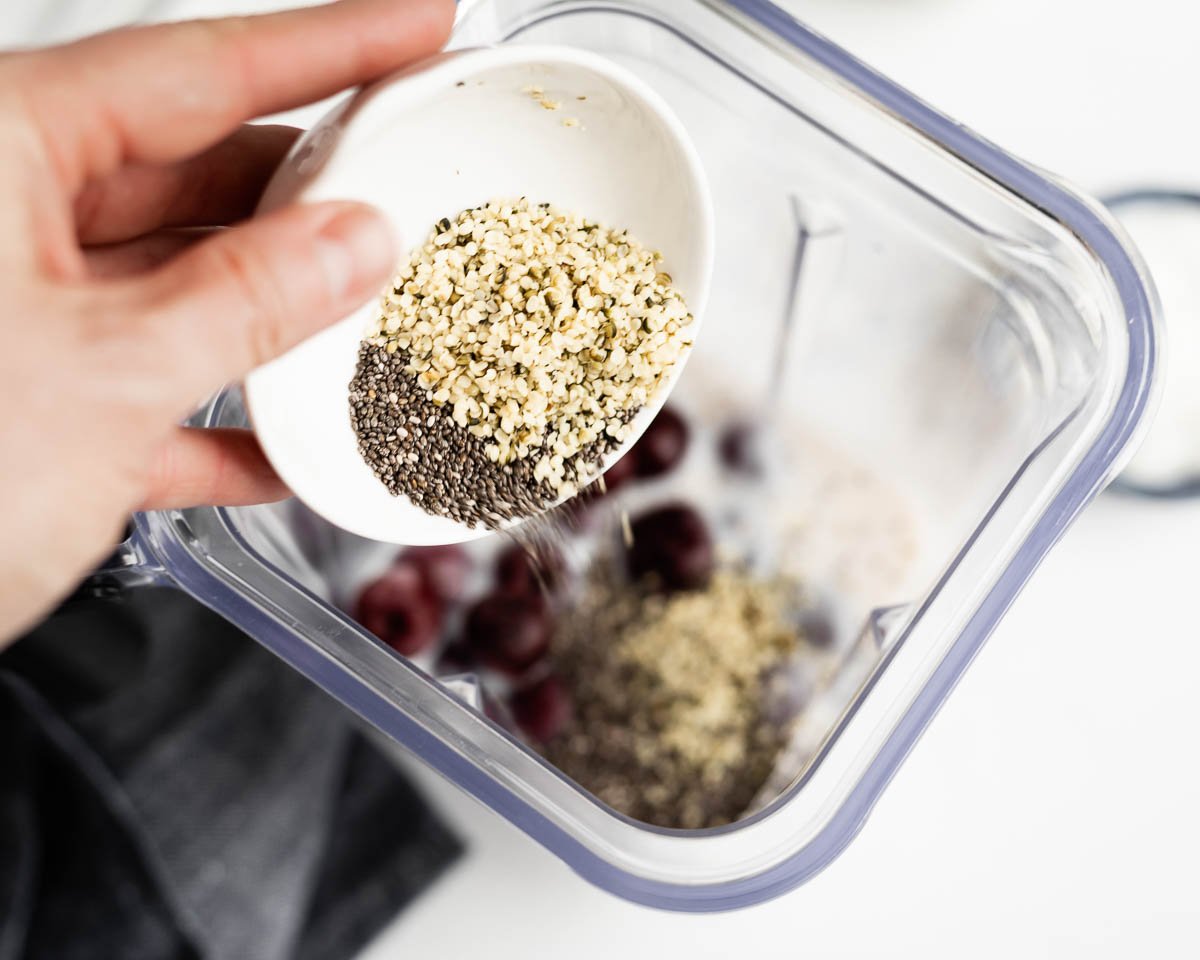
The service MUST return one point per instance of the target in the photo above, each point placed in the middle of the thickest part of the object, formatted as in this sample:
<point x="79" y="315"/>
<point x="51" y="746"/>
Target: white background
<point x="1052" y="808"/>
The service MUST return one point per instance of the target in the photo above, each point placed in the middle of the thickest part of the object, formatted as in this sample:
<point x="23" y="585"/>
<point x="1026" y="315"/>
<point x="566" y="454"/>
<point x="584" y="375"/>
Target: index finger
<point x="159" y="93"/>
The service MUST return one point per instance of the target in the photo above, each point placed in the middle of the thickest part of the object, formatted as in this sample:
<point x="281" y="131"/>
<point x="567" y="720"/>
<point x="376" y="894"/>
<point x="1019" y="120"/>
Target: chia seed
<point x="442" y="467"/>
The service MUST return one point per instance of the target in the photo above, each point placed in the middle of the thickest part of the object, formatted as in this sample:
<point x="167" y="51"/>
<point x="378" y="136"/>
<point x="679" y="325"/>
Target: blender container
<point x="944" y="354"/>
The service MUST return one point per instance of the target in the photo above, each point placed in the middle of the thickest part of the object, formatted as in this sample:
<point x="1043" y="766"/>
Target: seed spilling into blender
<point x="510" y="355"/>
<point x="650" y="668"/>
<point x="508" y="361"/>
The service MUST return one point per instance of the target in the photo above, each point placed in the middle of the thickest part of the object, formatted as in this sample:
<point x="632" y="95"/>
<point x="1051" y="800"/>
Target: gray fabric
<point x="172" y="790"/>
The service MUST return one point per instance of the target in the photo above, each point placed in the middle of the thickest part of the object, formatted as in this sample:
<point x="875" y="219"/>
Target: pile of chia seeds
<point x="415" y="448"/>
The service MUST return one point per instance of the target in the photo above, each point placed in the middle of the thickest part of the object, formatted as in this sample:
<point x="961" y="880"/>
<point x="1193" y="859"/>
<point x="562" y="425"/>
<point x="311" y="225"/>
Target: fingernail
<point x="357" y="251"/>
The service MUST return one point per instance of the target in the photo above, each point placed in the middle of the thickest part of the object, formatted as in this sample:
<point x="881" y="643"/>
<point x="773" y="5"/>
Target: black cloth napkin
<point x="169" y="790"/>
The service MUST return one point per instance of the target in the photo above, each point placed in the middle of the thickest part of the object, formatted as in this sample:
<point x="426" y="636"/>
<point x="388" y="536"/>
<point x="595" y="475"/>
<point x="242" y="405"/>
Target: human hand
<point x="116" y="321"/>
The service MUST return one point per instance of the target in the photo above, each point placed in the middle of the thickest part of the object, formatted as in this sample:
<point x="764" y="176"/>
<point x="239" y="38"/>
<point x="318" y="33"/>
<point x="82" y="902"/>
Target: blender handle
<point x="129" y="565"/>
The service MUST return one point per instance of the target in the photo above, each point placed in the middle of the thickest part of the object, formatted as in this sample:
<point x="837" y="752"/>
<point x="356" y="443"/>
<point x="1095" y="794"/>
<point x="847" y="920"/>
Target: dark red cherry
<point x="443" y="569"/>
<point x="672" y="545"/>
<point x="508" y="633"/>
<point x="662" y="446"/>
<point x="523" y="573"/>
<point x="397" y="610"/>
<point x="543" y="709"/>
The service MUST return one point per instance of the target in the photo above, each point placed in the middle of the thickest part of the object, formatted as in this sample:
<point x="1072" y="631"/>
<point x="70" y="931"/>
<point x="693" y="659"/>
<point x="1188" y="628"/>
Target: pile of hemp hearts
<point x="508" y="359"/>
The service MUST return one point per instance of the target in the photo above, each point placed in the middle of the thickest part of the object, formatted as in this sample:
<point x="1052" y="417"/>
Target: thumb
<point x="243" y="297"/>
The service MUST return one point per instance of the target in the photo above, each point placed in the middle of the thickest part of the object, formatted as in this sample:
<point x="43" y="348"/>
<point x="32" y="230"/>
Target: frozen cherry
<point x="672" y="544"/>
<point x="543" y="709"/>
<point x="508" y="633"/>
<point x="662" y="446"/>
<point x="396" y="609"/>
<point x="738" y="448"/>
<point x="520" y="574"/>
<point x="619" y="474"/>
<point x="443" y="569"/>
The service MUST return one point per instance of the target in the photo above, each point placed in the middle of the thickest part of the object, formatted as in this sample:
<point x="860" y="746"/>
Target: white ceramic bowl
<point x="442" y="136"/>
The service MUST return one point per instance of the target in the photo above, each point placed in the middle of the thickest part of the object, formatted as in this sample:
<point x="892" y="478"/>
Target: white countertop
<point x="1051" y="809"/>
